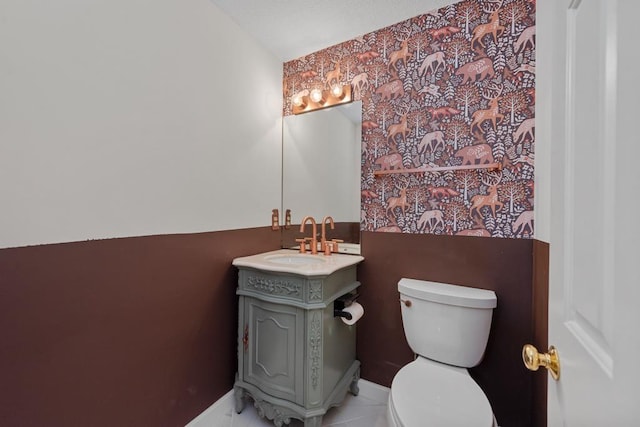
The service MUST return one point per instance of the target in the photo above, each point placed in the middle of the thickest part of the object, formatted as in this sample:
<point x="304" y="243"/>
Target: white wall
<point x="137" y="117"/>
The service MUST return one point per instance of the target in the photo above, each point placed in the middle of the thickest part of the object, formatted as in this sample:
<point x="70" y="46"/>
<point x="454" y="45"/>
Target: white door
<point x="589" y="70"/>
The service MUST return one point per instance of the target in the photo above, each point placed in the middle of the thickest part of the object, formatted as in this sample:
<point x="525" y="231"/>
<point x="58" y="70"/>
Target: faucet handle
<point x="328" y="248"/>
<point x="331" y="246"/>
<point x="303" y="245"/>
<point x="334" y="244"/>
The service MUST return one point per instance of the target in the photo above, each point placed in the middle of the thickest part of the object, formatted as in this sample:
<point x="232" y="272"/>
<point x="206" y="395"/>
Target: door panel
<point x="588" y="287"/>
<point x="274" y="337"/>
<point x="588" y="58"/>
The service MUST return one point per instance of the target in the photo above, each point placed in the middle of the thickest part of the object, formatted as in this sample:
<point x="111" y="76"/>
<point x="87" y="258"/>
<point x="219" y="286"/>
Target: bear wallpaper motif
<point x="452" y="87"/>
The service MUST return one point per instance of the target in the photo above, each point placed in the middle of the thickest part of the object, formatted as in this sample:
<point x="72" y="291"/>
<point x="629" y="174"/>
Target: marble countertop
<point x="291" y="261"/>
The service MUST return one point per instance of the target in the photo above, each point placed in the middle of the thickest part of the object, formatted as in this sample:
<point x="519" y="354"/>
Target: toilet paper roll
<point x="356" y="310"/>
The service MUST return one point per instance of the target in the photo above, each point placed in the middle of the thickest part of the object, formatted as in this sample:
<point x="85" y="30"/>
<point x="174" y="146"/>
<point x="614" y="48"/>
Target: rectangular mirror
<point x="321" y="161"/>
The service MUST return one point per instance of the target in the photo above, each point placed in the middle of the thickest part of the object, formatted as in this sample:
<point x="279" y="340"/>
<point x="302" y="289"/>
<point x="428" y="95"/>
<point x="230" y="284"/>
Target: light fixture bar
<point x="329" y="98"/>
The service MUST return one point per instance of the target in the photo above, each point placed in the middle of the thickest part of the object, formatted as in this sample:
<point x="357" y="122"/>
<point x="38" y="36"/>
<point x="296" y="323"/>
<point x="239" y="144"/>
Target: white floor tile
<point x="356" y="411"/>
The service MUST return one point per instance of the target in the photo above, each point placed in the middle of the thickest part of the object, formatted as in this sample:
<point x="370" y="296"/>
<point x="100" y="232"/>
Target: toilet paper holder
<point x="342" y="302"/>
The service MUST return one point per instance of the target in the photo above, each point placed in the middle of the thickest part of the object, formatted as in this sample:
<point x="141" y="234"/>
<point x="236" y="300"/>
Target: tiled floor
<point x="365" y="410"/>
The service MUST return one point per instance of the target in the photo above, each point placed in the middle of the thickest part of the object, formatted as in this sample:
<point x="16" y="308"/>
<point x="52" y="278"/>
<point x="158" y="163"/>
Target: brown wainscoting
<point x="502" y="265"/>
<point x="347" y="231"/>
<point x="122" y="332"/>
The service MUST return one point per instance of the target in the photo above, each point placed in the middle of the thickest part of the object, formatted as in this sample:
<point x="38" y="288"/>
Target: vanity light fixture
<point x="305" y="100"/>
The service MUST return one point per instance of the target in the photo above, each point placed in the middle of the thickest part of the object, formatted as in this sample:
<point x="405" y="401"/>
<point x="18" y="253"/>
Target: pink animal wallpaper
<point x="452" y="87"/>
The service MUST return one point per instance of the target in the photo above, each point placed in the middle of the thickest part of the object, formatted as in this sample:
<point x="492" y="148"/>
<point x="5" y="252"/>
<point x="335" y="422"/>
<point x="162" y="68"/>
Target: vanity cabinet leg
<point x="313" y="421"/>
<point x="238" y="393"/>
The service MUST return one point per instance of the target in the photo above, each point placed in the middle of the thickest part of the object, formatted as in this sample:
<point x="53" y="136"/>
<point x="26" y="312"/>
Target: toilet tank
<point x="446" y="323"/>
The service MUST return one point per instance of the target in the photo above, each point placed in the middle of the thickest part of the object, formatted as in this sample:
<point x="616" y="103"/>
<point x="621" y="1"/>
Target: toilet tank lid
<point x="448" y="294"/>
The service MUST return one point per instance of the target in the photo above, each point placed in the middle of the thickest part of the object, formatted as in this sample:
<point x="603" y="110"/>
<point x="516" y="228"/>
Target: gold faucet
<point x="323" y="237"/>
<point x="314" y="230"/>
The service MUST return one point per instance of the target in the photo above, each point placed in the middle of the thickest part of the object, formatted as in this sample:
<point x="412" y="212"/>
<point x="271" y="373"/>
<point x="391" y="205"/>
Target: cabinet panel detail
<point x="269" y="332"/>
<point x="277" y="287"/>
<point x="315" y="290"/>
<point x="271" y="361"/>
<point x="315" y="347"/>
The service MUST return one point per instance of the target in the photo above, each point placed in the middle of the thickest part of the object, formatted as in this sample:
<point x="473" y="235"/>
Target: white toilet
<point x="447" y="326"/>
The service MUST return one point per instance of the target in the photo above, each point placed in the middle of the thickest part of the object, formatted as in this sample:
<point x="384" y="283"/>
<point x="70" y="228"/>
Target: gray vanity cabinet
<point x="295" y="359"/>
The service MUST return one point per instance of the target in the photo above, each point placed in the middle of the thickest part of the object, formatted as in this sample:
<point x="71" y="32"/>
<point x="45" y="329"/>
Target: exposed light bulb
<point x="297" y="100"/>
<point x="316" y="96"/>
<point x="337" y="90"/>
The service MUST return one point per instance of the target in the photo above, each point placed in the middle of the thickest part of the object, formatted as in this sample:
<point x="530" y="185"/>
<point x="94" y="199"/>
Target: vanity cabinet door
<point x="273" y="348"/>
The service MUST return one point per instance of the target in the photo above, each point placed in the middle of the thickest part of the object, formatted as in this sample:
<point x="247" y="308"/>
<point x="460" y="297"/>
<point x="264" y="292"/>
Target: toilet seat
<point x="428" y="393"/>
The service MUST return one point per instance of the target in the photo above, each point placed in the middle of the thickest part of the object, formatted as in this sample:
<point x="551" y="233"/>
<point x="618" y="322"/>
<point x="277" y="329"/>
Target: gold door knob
<point x="533" y="360"/>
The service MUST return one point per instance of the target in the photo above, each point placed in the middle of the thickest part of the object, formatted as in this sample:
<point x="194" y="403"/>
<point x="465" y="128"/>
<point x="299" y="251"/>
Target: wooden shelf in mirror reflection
<point x="490" y="166"/>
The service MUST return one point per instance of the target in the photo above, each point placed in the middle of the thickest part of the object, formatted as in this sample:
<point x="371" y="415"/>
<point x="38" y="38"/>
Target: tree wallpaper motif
<point x="455" y="86"/>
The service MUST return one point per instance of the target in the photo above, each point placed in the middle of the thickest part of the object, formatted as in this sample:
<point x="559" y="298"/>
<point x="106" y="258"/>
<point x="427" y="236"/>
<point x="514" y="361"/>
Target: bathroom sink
<point x="294" y="259"/>
<point x="290" y="261"/>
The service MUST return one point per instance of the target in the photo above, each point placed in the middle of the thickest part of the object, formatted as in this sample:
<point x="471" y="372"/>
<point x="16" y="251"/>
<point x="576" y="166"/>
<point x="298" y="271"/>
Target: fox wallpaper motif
<point x="452" y="87"/>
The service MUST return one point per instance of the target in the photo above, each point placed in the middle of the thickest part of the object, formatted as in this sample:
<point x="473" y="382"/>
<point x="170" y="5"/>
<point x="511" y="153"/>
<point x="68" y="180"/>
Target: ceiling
<point x="294" y="28"/>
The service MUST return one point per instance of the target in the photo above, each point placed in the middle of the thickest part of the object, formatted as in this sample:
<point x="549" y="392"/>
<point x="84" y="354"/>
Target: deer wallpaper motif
<point x="452" y="87"/>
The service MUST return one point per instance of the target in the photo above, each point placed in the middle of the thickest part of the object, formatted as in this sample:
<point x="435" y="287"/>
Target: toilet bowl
<point x="447" y="326"/>
<point x="428" y="393"/>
